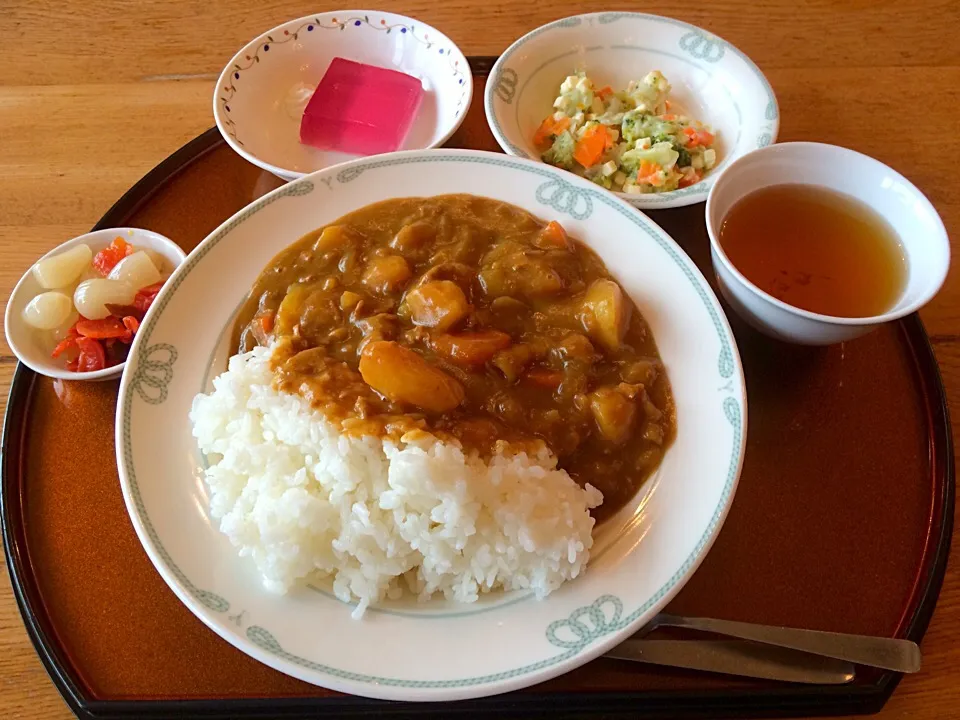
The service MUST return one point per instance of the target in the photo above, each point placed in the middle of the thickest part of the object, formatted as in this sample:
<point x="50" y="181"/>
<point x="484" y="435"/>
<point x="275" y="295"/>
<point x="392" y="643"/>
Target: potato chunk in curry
<point x="438" y="304"/>
<point x="474" y="321"/>
<point x="402" y="376"/>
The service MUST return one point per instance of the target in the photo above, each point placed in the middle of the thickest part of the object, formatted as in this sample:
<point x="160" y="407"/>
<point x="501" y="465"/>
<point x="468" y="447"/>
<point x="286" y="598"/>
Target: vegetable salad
<point x="627" y="141"/>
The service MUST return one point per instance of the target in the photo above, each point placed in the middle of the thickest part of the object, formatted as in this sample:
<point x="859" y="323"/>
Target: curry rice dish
<point x="433" y="394"/>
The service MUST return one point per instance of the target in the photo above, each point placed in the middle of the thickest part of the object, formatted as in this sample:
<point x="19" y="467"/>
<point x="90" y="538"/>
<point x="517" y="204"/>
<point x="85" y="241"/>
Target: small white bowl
<point x="712" y="81"/>
<point x="887" y="192"/>
<point x="24" y="340"/>
<point x="254" y="100"/>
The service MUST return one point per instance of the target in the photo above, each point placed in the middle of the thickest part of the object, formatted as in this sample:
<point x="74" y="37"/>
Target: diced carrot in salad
<point x="651" y="173"/>
<point x="691" y="178"/>
<point x="698" y="137"/>
<point x="593" y="143"/>
<point x="549" y="128"/>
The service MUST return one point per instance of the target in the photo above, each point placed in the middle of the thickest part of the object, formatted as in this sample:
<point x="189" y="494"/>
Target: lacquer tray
<point x="841" y="521"/>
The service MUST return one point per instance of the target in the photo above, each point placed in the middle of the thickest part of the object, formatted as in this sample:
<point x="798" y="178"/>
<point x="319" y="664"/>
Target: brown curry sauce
<point x="467" y="318"/>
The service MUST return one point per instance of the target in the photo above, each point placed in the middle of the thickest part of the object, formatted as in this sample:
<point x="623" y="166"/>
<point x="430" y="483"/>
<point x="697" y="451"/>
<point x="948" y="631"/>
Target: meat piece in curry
<point x="472" y="320"/>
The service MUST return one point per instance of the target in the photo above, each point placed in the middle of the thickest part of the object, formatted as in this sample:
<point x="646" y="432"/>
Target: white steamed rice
<point x="307" y="503"/>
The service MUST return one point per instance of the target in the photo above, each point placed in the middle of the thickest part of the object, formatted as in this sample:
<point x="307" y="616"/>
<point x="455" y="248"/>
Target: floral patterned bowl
<point x="712" y="82"/>
<point x="263" y="90"/>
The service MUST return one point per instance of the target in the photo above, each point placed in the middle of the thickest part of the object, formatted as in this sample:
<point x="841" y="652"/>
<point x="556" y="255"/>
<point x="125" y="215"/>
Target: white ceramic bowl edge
<point x="251" y="99"/>
<point x="712" y="81"/>
<point x="887" y="192"/>
<point x="24" y="341"/>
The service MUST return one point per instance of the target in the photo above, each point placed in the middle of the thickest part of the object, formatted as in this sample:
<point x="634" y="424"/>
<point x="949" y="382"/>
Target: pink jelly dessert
<point x="360" y="109"/>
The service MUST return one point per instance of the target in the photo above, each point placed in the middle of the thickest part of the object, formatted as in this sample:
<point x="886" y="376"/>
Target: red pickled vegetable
<point x="117" y="353"/>
<point x="66" y="344"/>
<point x="152" y="289"/>
<point x="131" y="323"/>
<point x="113" y="253"/>
<point x="92" y="356"/>
<point x="122" y="311"/>
<point x="145" y="296"/>
<point x="108" y="327"/>
<point x="72" y="365"/>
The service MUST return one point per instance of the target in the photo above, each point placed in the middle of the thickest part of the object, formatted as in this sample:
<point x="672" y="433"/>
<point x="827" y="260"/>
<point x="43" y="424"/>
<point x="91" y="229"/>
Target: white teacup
<point x="887" y="192"/>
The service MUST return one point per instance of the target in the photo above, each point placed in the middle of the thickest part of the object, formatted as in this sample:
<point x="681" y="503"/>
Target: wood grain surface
<point x="93" y="95"/>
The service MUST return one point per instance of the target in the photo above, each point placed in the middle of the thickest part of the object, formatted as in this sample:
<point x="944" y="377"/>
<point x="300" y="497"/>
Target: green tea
<point x="816" y="249"/>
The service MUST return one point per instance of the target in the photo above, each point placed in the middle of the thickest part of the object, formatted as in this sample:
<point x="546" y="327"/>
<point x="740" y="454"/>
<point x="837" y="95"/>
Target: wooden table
<point x="92" y="95"/>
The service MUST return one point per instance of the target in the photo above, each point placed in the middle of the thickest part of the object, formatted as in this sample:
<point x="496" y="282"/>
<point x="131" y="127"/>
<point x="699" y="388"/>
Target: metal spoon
<point x="737" y="657"/>
<point x="887" y="653"/>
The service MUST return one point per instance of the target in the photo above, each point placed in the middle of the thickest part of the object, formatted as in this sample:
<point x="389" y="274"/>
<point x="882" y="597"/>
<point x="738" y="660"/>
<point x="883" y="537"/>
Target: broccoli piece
<point x="630" y="127"/>
<point x="602" y="180"/>
<point x="636" y="125"/>
<point x="684" y="159"/>
<point x="561" y="152"/>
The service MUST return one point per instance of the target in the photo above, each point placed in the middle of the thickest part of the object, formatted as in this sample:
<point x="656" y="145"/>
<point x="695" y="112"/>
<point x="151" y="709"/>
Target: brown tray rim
<point x="789" y="701"/>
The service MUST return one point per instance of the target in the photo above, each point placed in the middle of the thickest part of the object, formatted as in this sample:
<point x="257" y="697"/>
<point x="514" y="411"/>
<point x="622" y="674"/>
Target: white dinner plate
<point x="437" y="650"/>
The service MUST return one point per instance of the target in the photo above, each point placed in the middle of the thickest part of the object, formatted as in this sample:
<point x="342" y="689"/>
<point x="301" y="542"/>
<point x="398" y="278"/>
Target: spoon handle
<point x="887" y="653"/>
<point x="736" y="657"/>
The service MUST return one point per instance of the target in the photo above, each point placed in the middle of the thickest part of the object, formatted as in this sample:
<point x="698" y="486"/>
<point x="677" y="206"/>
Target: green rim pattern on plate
<point x="584" y="625"/>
